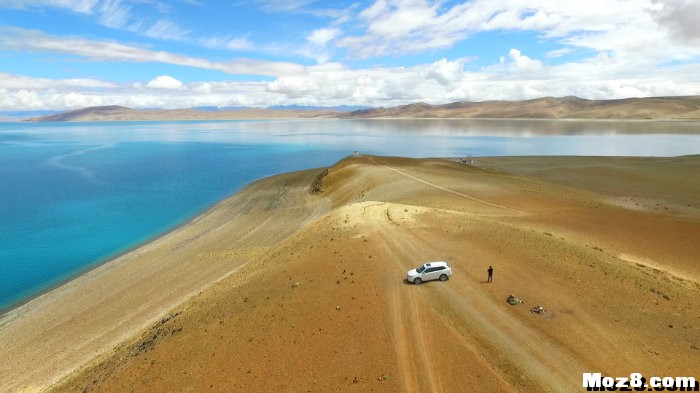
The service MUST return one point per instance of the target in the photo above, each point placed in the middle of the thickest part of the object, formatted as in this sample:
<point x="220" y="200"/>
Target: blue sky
<point x="66" y="54"/>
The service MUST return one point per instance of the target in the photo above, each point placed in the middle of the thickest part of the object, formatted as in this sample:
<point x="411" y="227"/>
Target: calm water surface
<point x="75" y="194"/>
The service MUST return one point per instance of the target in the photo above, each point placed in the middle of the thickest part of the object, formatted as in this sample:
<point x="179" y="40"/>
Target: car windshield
<point x="420" y="269"/>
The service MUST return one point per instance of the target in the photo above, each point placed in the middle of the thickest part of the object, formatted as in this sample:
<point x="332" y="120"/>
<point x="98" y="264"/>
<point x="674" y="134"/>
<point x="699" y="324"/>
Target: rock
<point x="512" y="300"/>
<point x="537" y="310"/>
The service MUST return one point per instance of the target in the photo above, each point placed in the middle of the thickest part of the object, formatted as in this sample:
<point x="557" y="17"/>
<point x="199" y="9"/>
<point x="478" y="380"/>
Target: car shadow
<point x="405" y="282"/>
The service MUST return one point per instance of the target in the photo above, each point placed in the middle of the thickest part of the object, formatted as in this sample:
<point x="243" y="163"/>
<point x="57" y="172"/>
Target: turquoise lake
<point x="73" y="195"/>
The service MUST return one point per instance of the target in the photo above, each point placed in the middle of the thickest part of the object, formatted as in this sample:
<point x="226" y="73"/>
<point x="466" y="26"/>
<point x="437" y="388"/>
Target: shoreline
<point x="336" y="283"/>
<point x="4" y="311"/>
<point x="284" y="119"/>
<point x="368" y="210"/>
<point x="116" y="299"/>
<point x="107" y="260"/>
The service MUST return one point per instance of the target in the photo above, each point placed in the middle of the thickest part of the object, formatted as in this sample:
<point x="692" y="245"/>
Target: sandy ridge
<point x="321" y="305"/>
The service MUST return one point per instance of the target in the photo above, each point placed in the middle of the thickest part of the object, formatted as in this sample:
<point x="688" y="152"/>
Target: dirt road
<point x="323" y="305"/>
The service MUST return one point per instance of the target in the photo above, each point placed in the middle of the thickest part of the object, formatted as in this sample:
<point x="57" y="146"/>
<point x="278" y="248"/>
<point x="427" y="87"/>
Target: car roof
<point x="437" y="264"/>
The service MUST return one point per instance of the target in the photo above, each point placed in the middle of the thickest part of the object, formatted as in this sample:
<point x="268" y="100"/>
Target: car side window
<point x="431" y="269"/>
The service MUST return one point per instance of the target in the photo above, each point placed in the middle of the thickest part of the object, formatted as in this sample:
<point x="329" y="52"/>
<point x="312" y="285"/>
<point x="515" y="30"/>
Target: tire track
<point x="410" y="334"/>
<point x="455" y="192"/>
<point x="544" y="363"/>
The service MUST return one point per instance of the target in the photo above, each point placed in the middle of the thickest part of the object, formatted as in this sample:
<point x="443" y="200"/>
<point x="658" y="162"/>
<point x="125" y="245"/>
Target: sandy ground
<point x="283" y="289"/>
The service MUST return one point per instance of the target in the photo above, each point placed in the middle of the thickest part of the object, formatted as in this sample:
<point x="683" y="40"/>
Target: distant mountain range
<point x="340" y="108"/>
<point x="120" y="113"/>
<point x="540" y="108"/>
<point x="548" y="108"/>
<point x="21" y="115"/>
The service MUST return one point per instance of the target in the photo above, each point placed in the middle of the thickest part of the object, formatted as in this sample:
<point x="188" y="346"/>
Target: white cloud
<point x="622" y="27"/>
<point x="34" y="40"/>
<point x="21" y="99"/>
<point x="201" y="87"/>
<point x="335" y="84"/>
<point x="10" y="81"/>
<point x="559" y="52"/>
<point x="77" y="100"/>
<point x="523" y="64"/>
<point x="321" y="37"/>
<point x="166" y="30"/>
<point x="114" y="14"/>
<point x="240" y="43"/>
<point x="80" y="6"/>
<point x="400" y="26"/>
<point x="226" y="42"/>
<point x="445" y="72"/>
<point x="282" y="5"/>
<point x="317" y="44"/>
<point x="117" y="15"/>
<point x="633" y="48"/>
<point x="164" y="82"/>
<point x="310" y="7"/>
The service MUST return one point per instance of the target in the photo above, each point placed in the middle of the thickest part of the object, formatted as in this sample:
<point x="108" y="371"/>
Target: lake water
<point x="75" y="194"/>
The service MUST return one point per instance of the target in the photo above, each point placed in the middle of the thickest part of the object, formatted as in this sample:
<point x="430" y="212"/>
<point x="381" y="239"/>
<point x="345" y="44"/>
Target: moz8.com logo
<point x="636" y="382"/>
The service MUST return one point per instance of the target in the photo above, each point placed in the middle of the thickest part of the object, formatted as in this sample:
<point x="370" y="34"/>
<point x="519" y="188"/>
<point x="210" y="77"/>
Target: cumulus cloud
<point x="202" y="87"/>
<point x="445" y="72"/>
<point x="165" y="82"/>
<point x="21" y="99"/>
<point x="521" y="63"/>
<point x="335" y="84"/>
<point x="27" y="99"/>
<point x="681" y="17"/>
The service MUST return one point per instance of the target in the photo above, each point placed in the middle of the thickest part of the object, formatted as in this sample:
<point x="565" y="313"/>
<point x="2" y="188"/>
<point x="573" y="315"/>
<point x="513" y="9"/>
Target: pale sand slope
<point x="326" y="309"/>
<point x="45" y="339"/>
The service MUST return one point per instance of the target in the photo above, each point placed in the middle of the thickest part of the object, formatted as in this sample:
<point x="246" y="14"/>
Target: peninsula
<point x="296" y="283"/>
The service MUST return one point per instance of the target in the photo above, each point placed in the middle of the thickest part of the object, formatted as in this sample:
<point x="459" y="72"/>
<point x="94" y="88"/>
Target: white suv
<point x="430" y="271"/>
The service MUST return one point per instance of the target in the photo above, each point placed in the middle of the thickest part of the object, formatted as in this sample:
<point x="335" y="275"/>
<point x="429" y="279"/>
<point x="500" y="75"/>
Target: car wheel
<point x="443" y="277"/>
<point x="417" y="281"/>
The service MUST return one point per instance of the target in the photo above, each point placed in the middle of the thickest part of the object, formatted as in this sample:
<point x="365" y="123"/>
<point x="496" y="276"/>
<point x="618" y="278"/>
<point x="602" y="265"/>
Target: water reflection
<point x="406" y="137"/>
<point x="491" y="127"/>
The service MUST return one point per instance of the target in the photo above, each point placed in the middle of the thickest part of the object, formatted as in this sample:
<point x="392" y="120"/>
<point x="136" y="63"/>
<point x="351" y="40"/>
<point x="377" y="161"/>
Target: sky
<point x="68" y="54"/>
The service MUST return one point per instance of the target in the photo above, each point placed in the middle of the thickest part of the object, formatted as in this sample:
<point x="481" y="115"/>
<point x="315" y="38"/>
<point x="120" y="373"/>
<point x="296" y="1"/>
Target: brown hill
<point x="548" y="108"/>
<point x="120" y="113"/>
<point x="296" y="284"/>
<point x="541" y="108"/>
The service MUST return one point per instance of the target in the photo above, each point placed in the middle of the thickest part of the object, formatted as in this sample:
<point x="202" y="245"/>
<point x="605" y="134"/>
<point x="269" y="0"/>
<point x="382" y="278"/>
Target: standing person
<point x="490" y="271"/>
